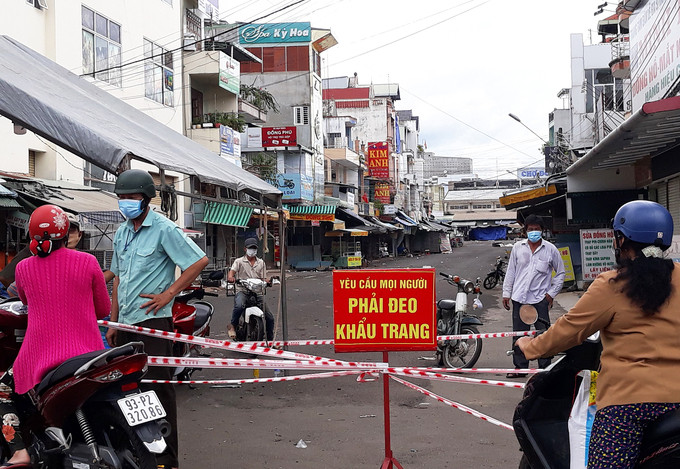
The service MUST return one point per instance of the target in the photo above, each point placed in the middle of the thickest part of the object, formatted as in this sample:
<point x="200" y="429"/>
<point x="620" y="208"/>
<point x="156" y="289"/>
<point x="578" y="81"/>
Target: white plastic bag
<point x="581" y="420"/>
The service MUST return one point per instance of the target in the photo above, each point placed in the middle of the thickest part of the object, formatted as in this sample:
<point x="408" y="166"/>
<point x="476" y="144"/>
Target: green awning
<point x="227" y="214"/>
<point x="311" y="209"/>
<point x="9" y="202"/>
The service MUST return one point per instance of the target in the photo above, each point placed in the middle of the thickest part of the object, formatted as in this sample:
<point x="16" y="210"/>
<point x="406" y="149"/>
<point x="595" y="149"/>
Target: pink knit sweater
<point x="66" y="294"/>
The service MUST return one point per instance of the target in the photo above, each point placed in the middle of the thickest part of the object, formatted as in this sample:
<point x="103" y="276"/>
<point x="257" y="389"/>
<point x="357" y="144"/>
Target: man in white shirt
<point x="248" y="266"/>
<point x="529" y="281"/>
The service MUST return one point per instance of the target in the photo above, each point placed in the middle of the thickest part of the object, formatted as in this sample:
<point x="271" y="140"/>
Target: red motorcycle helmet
<point x="48" y="223"/>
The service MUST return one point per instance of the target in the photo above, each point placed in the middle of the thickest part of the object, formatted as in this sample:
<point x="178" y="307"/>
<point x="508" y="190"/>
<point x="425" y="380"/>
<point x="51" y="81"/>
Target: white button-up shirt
<point x="529" y="275"/>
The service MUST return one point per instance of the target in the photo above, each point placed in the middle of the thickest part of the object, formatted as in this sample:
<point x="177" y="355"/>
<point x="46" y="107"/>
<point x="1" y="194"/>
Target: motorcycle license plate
<point x="141" y="408"/>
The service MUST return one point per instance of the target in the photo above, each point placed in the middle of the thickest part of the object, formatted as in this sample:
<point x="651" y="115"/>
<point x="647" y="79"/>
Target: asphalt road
<point x="339" y="419"/>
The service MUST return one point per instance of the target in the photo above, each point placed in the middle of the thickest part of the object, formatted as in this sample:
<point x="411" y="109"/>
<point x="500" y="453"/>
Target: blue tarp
<point x="488" y="233"/>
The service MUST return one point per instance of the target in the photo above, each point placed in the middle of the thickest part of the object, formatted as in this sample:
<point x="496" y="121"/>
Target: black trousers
<point x="542" y="307"/>
<point x="166" y="392"/>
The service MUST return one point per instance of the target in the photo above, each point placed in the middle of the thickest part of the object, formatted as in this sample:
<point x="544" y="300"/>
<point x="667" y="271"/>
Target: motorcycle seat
<point x="667" y="426"/>
<point x="203" y="313"/>
<point x="446" y="304"/>
<point x="70" y="366"/>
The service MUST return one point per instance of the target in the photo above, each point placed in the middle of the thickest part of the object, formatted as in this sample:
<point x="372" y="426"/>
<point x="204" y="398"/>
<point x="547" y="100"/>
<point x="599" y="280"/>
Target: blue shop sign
<point x="295" y="186"/>
<point x="275" y="33"/>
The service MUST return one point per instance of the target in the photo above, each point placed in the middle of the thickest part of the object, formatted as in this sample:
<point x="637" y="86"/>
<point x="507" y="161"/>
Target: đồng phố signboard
<point x="384" y="310"/>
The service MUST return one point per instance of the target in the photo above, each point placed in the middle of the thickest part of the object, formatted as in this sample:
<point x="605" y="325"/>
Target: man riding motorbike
<point x="248" y="266"/>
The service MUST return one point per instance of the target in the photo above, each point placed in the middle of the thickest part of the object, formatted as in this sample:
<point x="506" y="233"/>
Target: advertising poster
<point x="384" y="310"/>
<point x="382" y="193"/>
<point x="596" y="252"/>
<point x="230" y="145"/>
<point x="230" y="74"/>
<point x="254" y="137"/>
<point x="568" y="266"/>
<point x="295" y="186"/>
<point x="378" y="160"/>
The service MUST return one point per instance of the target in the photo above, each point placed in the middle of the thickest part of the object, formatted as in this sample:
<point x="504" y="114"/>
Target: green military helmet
<point x="135" y="181"/>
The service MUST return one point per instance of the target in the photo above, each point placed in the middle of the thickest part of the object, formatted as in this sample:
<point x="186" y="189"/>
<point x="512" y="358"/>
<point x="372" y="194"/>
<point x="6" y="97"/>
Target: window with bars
<point x="158" y="73"/>
<point x="101" y="47"/>
<point x="301" y="115"/>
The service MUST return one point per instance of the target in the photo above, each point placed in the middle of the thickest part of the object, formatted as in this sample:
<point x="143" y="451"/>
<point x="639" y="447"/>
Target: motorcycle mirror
<point x="528" y="314"/>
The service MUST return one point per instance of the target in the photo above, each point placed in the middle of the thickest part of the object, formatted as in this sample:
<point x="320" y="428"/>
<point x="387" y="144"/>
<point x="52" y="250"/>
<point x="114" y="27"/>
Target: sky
<point x="461" y="65"/>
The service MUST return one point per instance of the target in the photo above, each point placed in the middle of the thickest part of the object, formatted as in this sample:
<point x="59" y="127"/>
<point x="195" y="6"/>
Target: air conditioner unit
<point x="189" y="43"/>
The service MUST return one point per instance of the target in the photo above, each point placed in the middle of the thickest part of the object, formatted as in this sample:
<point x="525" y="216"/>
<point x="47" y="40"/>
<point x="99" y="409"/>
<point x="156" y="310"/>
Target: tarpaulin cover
<point x="75" y="114"/>
<point x="486" y="233"/>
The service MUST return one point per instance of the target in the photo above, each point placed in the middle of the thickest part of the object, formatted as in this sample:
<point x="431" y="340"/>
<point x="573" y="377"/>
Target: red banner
<point x="279" y="137"/>
<point x="384" y="310"/>
<point x="382" y="193"/>
<point x="378" y="160"/>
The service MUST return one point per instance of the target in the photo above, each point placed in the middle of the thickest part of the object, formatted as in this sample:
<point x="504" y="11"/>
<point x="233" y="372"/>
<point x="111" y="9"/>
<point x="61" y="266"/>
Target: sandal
<point x="231" y="332"/>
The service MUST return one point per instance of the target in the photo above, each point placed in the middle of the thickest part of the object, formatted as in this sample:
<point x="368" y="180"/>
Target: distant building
<point x="445" y="165"/>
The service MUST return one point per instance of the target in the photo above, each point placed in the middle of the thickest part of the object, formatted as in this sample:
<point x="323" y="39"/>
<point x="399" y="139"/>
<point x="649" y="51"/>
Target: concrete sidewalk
<point x="567" y="299"/>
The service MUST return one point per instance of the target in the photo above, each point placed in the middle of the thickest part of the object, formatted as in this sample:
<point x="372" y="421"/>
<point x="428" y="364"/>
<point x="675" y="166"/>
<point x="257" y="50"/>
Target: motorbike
<point x="88" y="412"/>
<point x="541" y="418"/>
<point x="497" y="275"/>
<point x="452" y="319"/>
<point x="192" y="316"/>
<point x="251" y="325"/>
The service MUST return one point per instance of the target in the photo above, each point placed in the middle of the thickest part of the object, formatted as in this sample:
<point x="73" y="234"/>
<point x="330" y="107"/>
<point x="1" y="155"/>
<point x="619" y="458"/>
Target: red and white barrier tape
<point x="233" y="346"/>
<point x="258" y="380"/>
<point x="456" y="379"/>
<point x="426" y="373"/>
<point x="495" y="371"/>
<point x="456" y="405"/>
<point x="255" y="363"/>
<point x="488" y="335"/>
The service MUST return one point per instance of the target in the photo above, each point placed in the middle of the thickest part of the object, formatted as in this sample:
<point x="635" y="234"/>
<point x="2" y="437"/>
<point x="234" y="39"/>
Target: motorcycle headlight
<point x="469" y="287"/>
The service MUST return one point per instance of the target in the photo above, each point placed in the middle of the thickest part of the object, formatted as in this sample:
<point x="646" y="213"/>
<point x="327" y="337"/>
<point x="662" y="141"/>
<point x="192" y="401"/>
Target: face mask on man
<point x="130" y="209"/>
<point x="534" y="236"/>
<point x="251" y="252"/>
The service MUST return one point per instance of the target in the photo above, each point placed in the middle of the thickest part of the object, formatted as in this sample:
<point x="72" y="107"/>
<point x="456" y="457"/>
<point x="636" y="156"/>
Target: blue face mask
<point x="534" y="236"/>
<point x="130" y="209"/>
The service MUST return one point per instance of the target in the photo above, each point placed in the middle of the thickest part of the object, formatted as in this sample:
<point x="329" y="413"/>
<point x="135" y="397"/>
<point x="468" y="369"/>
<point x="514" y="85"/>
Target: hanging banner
<point x="596" y="251"/>
<point x="378" y="160"/>
<point x="384" y="310"/>
<point x="382" y="193"/>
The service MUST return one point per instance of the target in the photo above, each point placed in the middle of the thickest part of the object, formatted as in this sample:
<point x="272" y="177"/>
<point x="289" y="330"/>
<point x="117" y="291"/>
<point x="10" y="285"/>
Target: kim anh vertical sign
<point x="378" y="160"/>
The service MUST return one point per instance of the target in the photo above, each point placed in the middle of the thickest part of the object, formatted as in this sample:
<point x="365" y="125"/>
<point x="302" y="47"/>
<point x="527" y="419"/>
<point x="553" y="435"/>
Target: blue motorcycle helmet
<point x="645" y="222"/>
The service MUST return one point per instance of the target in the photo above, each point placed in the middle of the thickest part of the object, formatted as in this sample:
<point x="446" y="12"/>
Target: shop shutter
<point x="673" y="195"/>
<point x="661" y="194"/>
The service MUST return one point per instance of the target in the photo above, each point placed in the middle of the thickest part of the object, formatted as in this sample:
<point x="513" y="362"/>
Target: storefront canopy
<point x="652" y="130"/>
<point x="227" y="214"/>
<point x="77" y="115"/>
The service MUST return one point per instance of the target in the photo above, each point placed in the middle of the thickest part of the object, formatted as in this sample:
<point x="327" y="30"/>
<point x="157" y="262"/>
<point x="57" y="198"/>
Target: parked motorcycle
<point x="88" y="412"/>
<point x="497" y="275"/>
<point x="251" y="325"/>
<point x="541" y="417"/>
<point x="192" y="316"/>
<point x="452" y="319"/>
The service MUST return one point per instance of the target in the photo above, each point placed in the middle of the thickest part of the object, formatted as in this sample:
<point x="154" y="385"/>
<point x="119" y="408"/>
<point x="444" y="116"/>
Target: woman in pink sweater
<point x="66" y="293"/>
